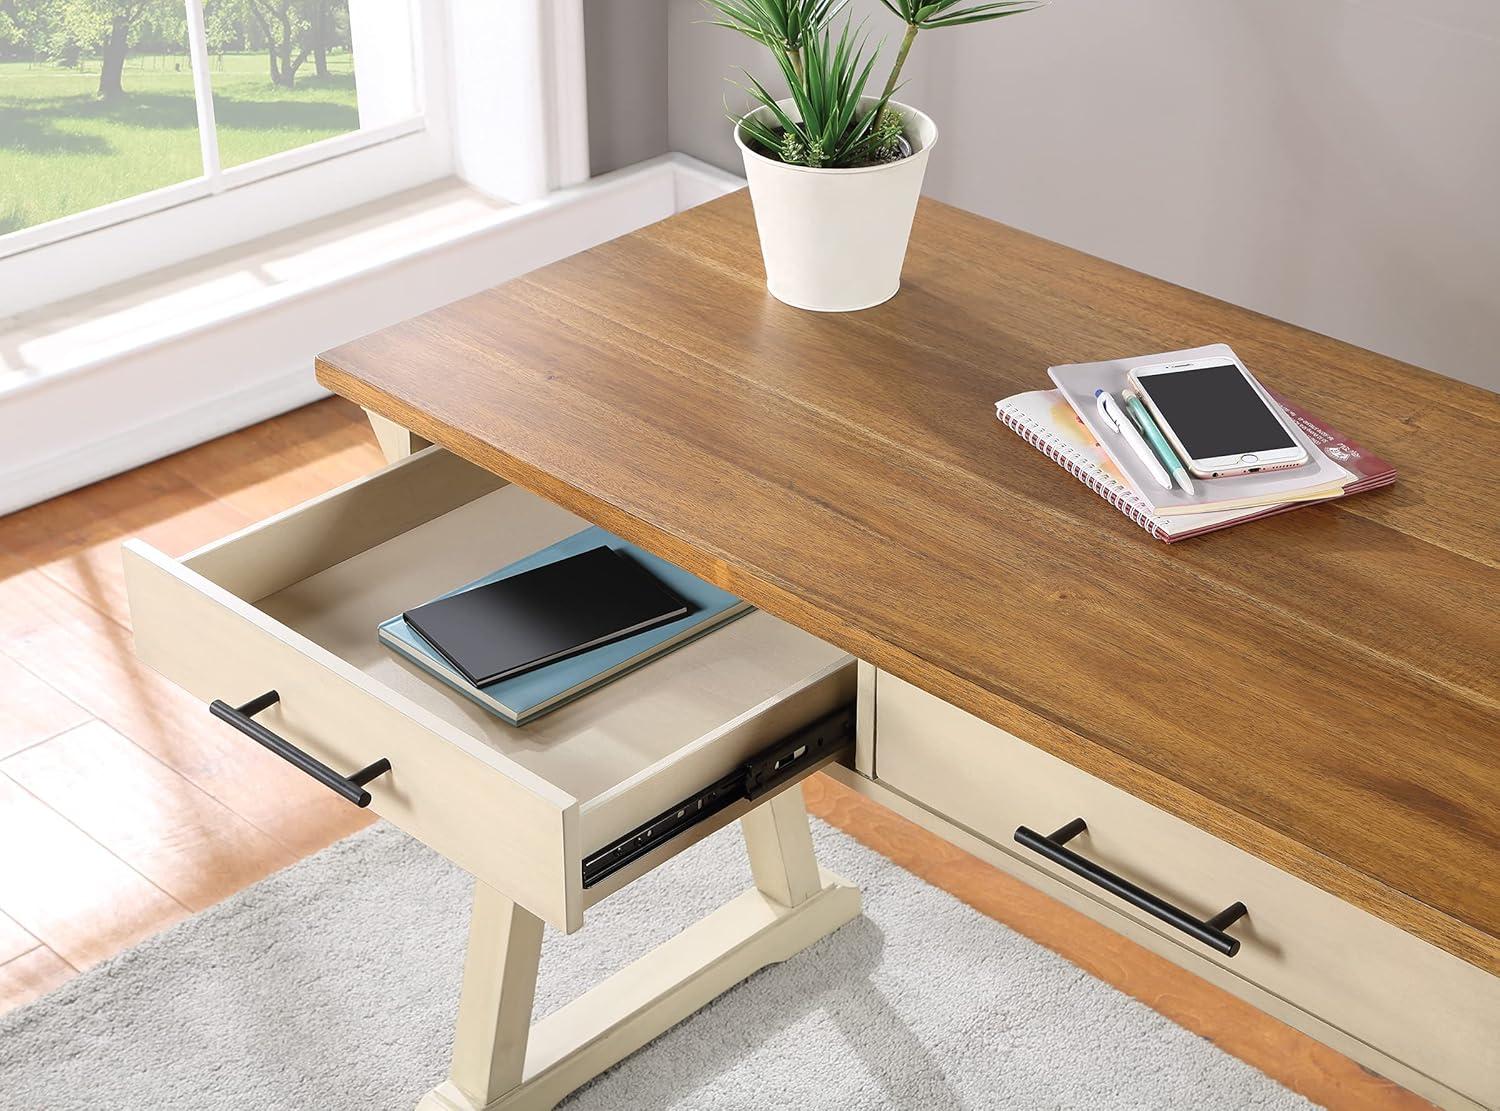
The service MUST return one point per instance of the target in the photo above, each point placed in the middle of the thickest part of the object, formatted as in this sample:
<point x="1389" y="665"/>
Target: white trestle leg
<point x="501" y="1061"/>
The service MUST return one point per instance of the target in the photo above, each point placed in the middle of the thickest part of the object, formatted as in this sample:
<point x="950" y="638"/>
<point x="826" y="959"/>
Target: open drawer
<point x="292" y="605"/>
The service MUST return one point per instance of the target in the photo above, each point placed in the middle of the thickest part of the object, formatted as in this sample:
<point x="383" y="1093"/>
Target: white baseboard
<point x="25" y="482"/>
<point x="697" y="181"/>
<point x="121" y="408"/>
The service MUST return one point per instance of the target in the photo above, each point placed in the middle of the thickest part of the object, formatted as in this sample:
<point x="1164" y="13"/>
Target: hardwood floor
<point x="136" y="809"/>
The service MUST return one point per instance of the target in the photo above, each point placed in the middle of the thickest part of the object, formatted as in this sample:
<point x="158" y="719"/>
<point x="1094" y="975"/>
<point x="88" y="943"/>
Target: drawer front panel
<point x="514" y="832"/>
<point x="1404" y="997"/>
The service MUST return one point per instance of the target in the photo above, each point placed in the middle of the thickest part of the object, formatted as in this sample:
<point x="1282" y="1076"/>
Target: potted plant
<point x="834" y="171"/>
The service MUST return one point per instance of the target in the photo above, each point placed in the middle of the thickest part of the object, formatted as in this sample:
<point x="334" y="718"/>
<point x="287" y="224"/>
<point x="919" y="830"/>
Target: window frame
<point x="205" y="185"/>
<point x="76" y="254"/>
<point x="215" y="179"/>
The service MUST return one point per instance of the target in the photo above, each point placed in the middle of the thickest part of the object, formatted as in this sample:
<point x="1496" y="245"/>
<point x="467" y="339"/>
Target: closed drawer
<point x="1408" y="999"/>
<point x="292" y="605"/>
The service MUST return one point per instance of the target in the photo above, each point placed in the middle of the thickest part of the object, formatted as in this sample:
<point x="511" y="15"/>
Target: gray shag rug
<point x="333" y="984"/>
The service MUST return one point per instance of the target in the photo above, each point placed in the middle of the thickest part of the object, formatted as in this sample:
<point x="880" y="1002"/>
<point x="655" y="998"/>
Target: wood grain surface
<point x="1319" y="689"/>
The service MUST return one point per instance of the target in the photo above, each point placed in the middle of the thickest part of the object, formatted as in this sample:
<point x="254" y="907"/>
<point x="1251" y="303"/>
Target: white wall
<point x="1335" y="163"/>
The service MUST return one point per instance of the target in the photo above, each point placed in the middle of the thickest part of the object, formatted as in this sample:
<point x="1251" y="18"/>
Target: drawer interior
<point x="333" y="571"/>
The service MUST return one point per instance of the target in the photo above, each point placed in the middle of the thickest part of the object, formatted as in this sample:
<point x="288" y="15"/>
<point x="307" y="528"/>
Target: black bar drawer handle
<point x="1210" y="932"/>
<point x="351" y="787"/>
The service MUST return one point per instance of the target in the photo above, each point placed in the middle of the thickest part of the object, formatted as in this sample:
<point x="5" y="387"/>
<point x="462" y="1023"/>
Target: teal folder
<point x="528" y="696"/>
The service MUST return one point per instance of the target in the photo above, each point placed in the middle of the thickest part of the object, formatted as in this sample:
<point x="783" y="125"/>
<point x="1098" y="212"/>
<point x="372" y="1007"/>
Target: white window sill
<point x="95" y="385"/>
<point x="94" y="330"/>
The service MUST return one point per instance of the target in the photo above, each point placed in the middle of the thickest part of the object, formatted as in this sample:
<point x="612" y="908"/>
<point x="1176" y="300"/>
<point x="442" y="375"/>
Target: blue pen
<point x="1141" y="417"/>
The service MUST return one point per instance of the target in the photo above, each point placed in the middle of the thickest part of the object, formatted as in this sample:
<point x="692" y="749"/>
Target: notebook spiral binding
<point x="1112" y="492"/>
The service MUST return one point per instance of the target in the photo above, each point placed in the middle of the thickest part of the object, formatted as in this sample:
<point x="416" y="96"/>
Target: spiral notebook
<point x="1045" y="420"/>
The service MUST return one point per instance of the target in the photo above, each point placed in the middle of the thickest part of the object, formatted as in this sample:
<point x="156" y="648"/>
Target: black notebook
<point x="546" y="614"/>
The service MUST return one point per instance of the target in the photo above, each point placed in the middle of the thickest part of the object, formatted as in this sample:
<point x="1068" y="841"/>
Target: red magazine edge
<point x="1367" y="467"/>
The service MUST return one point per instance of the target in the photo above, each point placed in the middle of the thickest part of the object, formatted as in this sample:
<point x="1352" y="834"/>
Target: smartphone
<point x="1218" y="417"/>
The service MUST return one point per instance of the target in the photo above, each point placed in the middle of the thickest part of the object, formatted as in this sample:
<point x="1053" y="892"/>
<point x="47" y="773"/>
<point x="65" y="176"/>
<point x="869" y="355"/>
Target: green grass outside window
<point x="63" y="150"/>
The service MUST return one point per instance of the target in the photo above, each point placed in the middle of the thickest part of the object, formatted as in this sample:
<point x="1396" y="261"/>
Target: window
<point x="282" y="75"/>
<point x="491" y="91"/>
<point x="110" y="109"/>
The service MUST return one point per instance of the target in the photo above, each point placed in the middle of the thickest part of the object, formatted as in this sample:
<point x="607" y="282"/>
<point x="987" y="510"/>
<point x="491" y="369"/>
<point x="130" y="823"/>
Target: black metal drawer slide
<point x="760" y="776"/>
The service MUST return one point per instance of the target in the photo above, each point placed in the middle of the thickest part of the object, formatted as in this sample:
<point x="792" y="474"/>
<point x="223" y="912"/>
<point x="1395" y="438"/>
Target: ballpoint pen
<point x="1117" y="420"/>
<point x="1138" y="413"/>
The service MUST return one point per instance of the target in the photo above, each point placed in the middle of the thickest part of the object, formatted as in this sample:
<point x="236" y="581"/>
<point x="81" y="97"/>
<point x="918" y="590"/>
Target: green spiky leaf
<point x="832" y="127"/>
<point x="931" y="14"/>
<point x="783" y="24"/>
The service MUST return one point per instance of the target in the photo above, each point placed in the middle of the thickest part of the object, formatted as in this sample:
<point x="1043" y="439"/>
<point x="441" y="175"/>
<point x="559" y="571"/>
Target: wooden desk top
<point x="1319" y="688"/>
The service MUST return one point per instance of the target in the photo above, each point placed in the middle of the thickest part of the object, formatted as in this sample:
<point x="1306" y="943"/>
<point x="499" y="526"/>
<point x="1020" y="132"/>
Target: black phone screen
<point x="1215" y="411"/>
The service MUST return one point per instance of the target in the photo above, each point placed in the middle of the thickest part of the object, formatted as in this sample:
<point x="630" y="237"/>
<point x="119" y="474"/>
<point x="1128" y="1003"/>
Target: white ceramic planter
<point x="834" y="240"/>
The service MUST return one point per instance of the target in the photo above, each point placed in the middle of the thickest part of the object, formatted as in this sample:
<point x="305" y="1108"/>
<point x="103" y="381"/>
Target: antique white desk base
<point x="502" y="1060"/>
